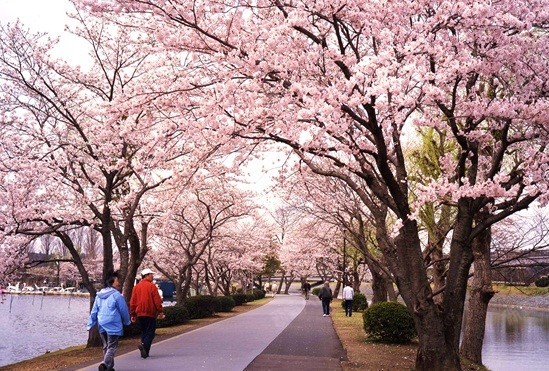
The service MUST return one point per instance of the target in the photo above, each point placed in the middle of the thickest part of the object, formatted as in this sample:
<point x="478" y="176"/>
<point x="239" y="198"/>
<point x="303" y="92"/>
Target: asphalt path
<point x="309" y="343"/>
<point x="288" y="333"/>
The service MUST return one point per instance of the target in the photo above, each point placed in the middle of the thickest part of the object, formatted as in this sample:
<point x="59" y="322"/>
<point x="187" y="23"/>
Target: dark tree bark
<point x="379" y="286"/>
<point x="480" y="294"/>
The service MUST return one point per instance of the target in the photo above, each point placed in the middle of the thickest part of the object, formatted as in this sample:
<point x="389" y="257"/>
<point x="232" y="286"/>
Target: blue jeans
<point x="148" y="328"/>
<point x="326" y="305"/>
<point x="348" y="308"/>
<point x="110" y="345"/>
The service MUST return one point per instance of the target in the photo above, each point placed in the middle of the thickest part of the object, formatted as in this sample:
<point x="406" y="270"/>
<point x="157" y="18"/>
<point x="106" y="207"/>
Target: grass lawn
<point x="363" y="354"/>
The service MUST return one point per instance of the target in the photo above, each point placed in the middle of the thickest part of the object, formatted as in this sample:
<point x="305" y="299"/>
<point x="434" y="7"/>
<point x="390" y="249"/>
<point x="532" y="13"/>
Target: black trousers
<point x="348" y="308"/>
<point x="148" y="329"/>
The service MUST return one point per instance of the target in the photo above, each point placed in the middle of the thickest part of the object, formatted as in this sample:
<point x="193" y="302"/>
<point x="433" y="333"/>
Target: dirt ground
<point x="366" y="355"/>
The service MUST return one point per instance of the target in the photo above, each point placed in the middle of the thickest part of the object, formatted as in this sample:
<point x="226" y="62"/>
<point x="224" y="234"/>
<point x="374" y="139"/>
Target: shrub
<point x="224" y="303"/>
<point x="175" y="315"/>
<point x="389" y="322"/>
<point x="239" y="299"/>
<point x="259" y="294"/>
<point x="359" y="302"/>
<point x="250" y="297"/>
<point x="200" y="306"/>
<point x="542" y="282"/>
<point x="316" y="291"/>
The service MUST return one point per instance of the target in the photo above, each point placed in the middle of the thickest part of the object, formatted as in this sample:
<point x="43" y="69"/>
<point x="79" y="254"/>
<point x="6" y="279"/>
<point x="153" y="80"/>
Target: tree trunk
<point x="379" y="286"/>
<point x="392" y="295"/>
<point x="93" y="335"/>
<point x="434" y="352"/>
<point x="437" y="349"/>
<point x="480" y="295"/>
<point x="280" y="283"/>
<point x="461" y="259"/>
<point x="94" y="340"/>
<point x="336" y="290"/>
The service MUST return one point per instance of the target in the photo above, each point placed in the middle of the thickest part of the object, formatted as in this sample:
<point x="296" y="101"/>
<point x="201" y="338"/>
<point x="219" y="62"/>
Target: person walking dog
<point x="109" y="313"/>
<point x="146" y="308"/>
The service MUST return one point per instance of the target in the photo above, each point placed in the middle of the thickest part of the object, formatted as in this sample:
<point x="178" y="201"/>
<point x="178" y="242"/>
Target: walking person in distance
<point x="325" y="294"/>
<point x="109" y="313"/>
<point x="348" y="295"/>
<point x="306" y="289"/>
<point x="145" y="308"/>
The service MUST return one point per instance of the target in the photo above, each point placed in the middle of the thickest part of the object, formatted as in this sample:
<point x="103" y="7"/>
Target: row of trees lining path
<point x="181" y="93"/>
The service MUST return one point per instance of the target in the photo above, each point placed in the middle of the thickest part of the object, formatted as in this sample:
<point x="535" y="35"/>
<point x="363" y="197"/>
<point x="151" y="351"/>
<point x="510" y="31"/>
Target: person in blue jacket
<point x="110" y="312"/>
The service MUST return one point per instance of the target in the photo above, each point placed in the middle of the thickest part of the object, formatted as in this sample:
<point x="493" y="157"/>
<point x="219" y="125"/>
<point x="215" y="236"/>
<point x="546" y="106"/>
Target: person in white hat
<point x="145" y="308"/>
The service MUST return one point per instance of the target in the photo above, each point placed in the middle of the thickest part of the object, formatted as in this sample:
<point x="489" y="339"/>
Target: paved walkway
<point x="288" y="333"/>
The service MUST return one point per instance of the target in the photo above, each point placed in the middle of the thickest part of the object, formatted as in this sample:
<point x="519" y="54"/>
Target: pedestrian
<point x="109" y="313"/>
<point x="306" y="289"/>
<point x="325" y="294"/>
<point x="348" y="295"/>
<point x="146" y="308"/>
<point x="274" y="289"/>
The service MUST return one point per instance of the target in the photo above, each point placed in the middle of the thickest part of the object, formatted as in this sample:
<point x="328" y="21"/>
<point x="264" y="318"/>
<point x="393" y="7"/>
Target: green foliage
<point x="389" y="322"/>
<point x="258" y="294"/>
<point x="200" y="306"/>
<point x="175" y="315"/>
<point x="271" y="265"/>
<point x="250" y="297"/>
<point x="359" y="302"/>
<point x="224" y="303"/>
<point x="542" y="282"/>
<point x="239" y="299"/>
<point x="315" y="291"/>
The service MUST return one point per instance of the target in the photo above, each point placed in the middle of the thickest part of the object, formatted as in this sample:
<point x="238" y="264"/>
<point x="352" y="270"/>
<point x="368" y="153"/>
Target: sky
<point x="46" y="16"/>
<point x="39" y="15"/>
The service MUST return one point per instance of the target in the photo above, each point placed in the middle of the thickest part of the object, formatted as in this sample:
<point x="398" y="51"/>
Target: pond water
<point x="37" y="324"/>
<point x="515" y="339"/>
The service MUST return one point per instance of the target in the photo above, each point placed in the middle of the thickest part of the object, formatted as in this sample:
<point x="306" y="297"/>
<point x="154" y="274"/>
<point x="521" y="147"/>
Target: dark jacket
<point x="325" y="293"/>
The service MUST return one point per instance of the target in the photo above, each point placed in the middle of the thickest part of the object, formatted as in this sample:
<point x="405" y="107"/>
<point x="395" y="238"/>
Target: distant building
<point x="520" y="267"/>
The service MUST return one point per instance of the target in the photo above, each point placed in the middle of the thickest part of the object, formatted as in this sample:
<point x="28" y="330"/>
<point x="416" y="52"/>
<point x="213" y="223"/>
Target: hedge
<point x="224" y="304"/>
<point x="200" y="306"/>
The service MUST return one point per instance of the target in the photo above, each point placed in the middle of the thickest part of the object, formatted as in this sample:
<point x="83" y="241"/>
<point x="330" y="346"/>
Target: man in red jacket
<point x="146" y="307"/>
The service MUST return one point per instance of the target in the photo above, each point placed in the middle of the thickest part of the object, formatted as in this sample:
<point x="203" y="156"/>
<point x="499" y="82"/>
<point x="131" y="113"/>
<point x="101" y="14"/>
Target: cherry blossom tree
<point x="85" y="146"/>
<point x="236" y="253"/>
<point x="330" y="201"/>
<point x="341" y="82"/>
<point x="192" y="225"/>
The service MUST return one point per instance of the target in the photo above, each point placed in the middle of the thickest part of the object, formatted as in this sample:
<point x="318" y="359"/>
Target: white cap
<point x="146" y="271"/>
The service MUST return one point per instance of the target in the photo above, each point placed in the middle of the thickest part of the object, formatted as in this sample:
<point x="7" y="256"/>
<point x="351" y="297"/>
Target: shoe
<point x="324" y="315"/>
<point x="141" y="348"/>
<point x="102" y="367"/>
